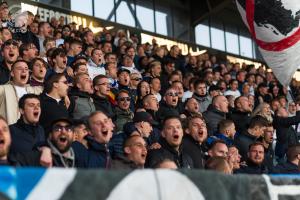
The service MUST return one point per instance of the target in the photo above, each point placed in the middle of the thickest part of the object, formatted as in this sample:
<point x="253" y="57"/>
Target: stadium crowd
<point x="72" y="98"/>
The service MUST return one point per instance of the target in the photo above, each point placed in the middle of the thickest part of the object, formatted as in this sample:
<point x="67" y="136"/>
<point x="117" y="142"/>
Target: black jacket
<point x="241" y="120"/>
<point x="27" y="37"/>
<point x="242" y="142"/>
<point x="4" y="73"/>
<point x="25" y="137"/>
<point x="286" y="134"/>
<point x="156" y="156"/>
<point x="103" y="104"/>
<point x="213" y="118"/>
<point x="252" y="168"/>
<point x="286" y="168"/>
<point x="51" y="110"/>
<point x="194" y="150"/>
<point x="165" y="111"/>
<point x="122" y="162"/>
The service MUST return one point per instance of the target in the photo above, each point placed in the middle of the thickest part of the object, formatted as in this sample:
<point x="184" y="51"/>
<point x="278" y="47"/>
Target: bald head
<point x="220" y="102"/>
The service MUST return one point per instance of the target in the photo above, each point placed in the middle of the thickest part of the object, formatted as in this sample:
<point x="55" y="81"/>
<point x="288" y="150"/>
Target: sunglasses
<point x="60" y="128"/>
<point x="136" y="79"/>
<point x="171" y="94"/>
<point x="124" y="99"/>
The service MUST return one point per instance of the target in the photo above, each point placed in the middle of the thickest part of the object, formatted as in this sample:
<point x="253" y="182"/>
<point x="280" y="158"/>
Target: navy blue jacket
<point x="25" y="137"/>
<point x="286" y="168"/>
<point x="95" y="156"/>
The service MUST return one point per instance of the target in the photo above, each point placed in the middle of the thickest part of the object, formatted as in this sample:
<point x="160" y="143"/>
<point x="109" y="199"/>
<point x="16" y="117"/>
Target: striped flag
<point x="274" y="25"/>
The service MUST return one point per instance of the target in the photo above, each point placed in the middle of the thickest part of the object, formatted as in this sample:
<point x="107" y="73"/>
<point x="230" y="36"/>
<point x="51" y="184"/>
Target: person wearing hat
<point x="141" y="125"/>
<point x="57" y="148"/>
<point x="261" y="94"/>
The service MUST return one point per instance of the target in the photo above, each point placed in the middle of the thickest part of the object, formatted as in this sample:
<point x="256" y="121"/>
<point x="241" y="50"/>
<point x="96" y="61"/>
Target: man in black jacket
<point x="59" y="147"/>
<point x="194" y="140"/>
<point x="255" y="160"/>
<point x="135" y="152"/>
<point x="171" y="147"/>
<point x="102" y="89"/>
<point x="10" y="54"/>
<point x="26" y="133"/>
<point x="168" y="105"/>
<point x="267" y="141"/>
<point x="216" y="113"/>
<point x="256" y="129"/>
<point x="241" y="113"/>
<point x="286" y="134"/>
<point x="53" y="103"/>
<point x="291" y="166"/>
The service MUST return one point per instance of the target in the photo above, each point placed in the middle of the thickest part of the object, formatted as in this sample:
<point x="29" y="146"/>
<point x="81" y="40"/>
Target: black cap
<point x="262" y="85"/>
<point x="143" y="117"/>
<point x="213" y="88"/>
<point x="67" y="120"/>
<point x="121" y="70"/>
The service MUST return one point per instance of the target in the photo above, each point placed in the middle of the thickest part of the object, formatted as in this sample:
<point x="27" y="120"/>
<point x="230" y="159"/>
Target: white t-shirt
<point x="20" y="91"/>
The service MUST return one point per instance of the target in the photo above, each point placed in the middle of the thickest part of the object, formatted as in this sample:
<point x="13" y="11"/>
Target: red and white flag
<point x="274" y="25"/>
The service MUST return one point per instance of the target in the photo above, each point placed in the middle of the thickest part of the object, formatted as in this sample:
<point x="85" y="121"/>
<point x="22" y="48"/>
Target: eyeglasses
<point x="171" y="94"/>
<point x="136" y="79"/>
<point x="124" y="99"/>
<point x="60" y="128"/>
<point x="66" y="30"/>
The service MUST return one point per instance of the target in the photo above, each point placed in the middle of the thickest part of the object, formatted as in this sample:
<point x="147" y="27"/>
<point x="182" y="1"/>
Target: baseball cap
<point x="143" y="117"/>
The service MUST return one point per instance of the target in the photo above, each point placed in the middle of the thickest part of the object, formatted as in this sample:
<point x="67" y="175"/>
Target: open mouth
<point x="174" y="101"/>
<point x="36" y="114"/>
<point x="11" y="55"/>
<point x="64" y="62"/>
<point x="63" y="139"/>
<point x="23" y="77"/>
<point x="143" y="155"/>
<point x="105" y="133"/>
<point x="175" y="137"/>
<point x="2" y="141"/>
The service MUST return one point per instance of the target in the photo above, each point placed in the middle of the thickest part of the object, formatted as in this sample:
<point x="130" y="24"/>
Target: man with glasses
<point x="10" y="53"/>
<point x="135" y="152"/>
<point x="101" y="94"/>
<point x="168" y="105"/>
<point x="10" y="93"/>
<point x="122" y="111"/>
<point x="59" y="147"/>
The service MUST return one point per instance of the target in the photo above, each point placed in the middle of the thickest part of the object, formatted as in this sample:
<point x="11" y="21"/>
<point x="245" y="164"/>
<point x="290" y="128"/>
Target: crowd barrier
<point x="73" y="184"/>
